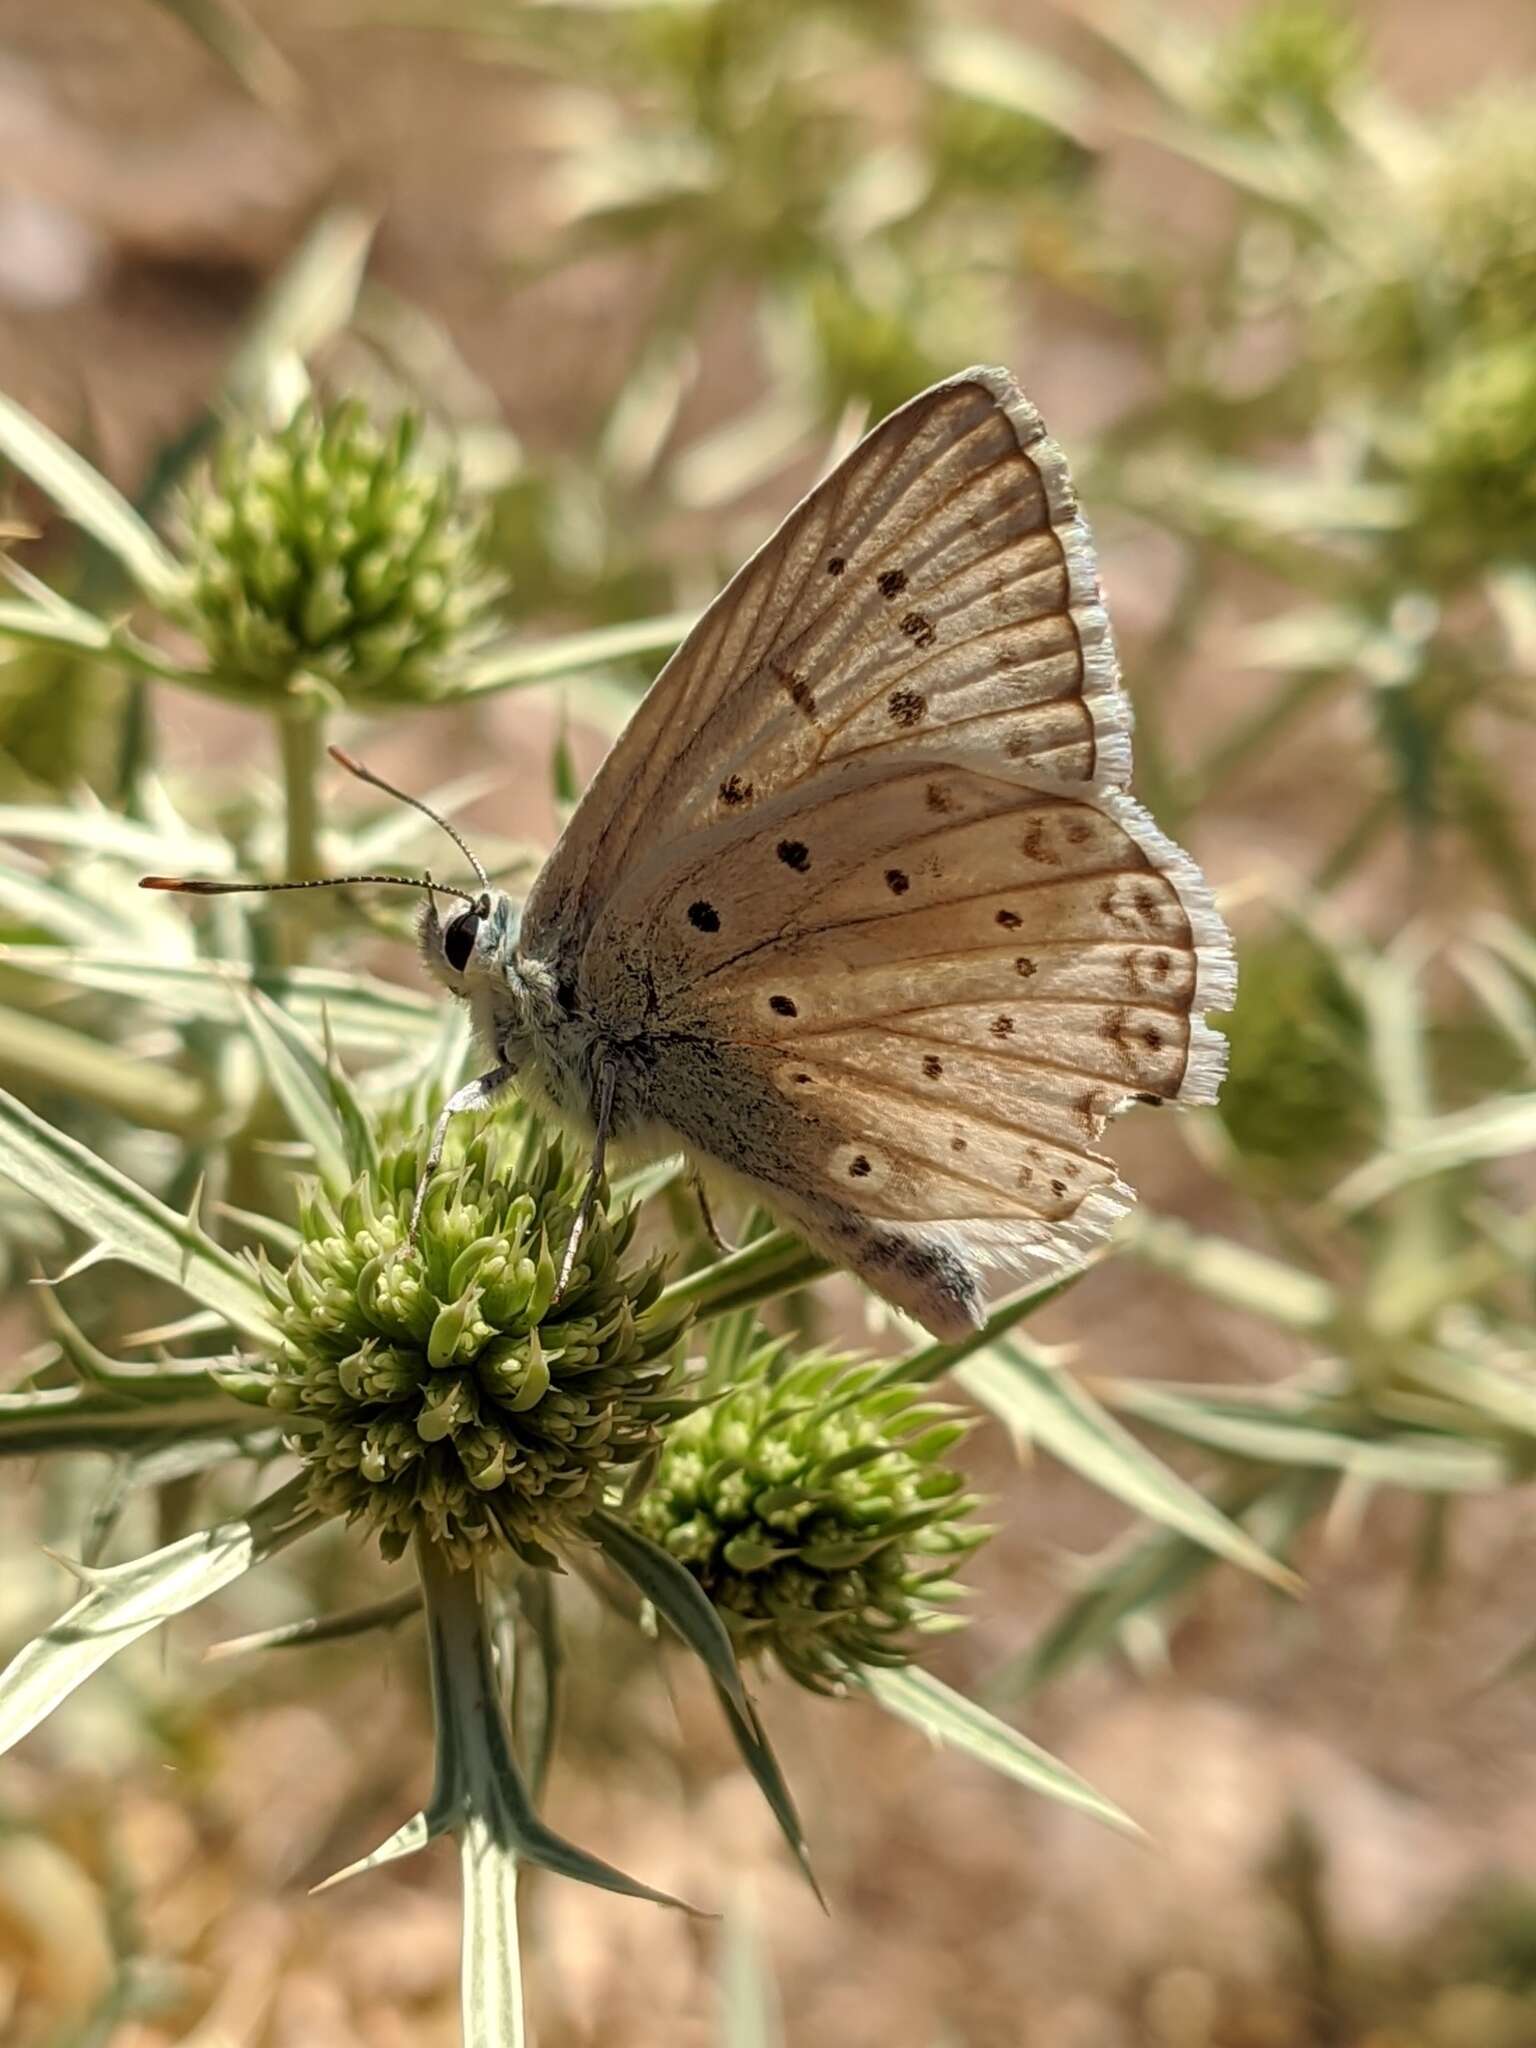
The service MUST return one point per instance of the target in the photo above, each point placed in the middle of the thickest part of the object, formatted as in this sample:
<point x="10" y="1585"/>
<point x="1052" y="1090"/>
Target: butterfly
<point x="857" y="913"/>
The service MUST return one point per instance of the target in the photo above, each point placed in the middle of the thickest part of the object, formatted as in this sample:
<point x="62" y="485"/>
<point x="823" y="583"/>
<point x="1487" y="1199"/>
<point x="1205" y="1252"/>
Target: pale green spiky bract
<point x="334" y="549"/>
<point x="813" y="1506"/>
<point x="448" y="1392"/>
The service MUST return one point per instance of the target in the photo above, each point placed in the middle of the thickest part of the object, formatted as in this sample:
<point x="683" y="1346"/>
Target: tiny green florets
<point x="333" y="549"/>
<point x="448" y="1391"/>
<point x="814" y="1510"/>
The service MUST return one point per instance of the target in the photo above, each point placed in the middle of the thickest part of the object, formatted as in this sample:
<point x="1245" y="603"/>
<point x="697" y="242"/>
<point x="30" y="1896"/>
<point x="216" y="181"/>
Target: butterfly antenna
<point x="366" y="774"/>
<point x="195" y="885"/>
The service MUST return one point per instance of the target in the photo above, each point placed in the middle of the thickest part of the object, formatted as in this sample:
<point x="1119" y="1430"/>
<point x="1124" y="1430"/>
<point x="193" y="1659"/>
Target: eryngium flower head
<point x="448" y="1391"/>
<point x="335" y="550"/>
<point x="1470" y="461"/>
<point x="812" y="1507"/>
<point x="1299" y="1098"/>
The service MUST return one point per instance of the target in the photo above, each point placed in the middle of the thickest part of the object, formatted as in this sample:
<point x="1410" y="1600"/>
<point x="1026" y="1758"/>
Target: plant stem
<point x="474" y="1768"/>
<point x="83" y="1419"/>
<point x="301" y="735"/>
<point x="1356" y="843"/>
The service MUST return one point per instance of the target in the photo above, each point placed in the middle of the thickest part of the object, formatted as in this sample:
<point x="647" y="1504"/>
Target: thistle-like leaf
<point x="677" y="1597"/>
<point x="949" y="1718"/>
<point x="126" y="1601"/>
<point x="126" y="1222"/>
<point x="1045" y="1404"/>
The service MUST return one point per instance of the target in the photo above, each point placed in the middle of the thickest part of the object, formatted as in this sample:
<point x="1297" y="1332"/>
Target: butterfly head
<point x="473" y="946"/>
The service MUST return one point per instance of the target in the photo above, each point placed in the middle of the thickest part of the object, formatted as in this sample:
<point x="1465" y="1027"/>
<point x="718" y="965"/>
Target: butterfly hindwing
<point x="937" y="588"/>
<point x="857" y="908"/>
<point x="905" y="1020"/>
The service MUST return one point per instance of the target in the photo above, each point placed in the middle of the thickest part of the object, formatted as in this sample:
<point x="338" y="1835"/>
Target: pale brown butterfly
<point x="857" y="912"/>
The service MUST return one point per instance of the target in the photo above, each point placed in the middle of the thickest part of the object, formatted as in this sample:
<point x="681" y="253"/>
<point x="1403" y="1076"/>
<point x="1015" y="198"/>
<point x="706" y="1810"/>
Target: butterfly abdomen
<point x="920" y="1274"/>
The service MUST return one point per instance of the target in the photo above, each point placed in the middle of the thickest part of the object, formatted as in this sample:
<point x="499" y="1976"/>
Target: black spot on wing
<point x="907" y="707"/>
<point x="704" y="917"/>
<point x="734" y="792"/>
<point x="858" y="1167"/>
<point x="795" y="854"/>
<point x="783" y="1006"/>
<point x="919" y="628"/>
<point x="796" y="688"/>
<point x="836" y="565"/>
<point x="897" y="882"/>
<point x="892" y="582"/>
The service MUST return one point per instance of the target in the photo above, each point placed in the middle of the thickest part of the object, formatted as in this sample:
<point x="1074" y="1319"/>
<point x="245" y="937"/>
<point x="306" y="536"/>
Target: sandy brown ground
<point x="199" y="1808"/>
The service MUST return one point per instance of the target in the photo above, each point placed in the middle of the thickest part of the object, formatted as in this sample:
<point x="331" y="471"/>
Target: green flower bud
<point x="813" y="1510"/>
<point x="447" y="1391"/>
<point x="1470" y="461"/>
<point x="1299" y="1098"/>
<point x="331" y="550"/>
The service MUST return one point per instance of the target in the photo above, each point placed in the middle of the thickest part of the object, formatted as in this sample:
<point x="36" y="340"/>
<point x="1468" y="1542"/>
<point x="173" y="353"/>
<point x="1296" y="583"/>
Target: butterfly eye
<point x="459" y="940"/>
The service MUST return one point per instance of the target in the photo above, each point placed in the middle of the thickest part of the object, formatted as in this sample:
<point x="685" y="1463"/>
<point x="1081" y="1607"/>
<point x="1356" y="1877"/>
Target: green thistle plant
<point x="1298" y="1095"/>
<point x="333" y="550"/>
<point x="812" y="1506"/>
<point x="1478" y="202"/>
<point x="1286" y="67"/>
<point x="1471" y="461"/>
<point x="448" y="1393"/>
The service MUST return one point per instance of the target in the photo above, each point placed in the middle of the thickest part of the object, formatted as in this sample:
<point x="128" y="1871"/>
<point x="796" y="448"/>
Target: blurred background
<point x="1270" y="274"/>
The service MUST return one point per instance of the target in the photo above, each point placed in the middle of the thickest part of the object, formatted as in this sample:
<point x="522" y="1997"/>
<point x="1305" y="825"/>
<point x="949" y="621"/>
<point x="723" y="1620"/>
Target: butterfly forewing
<point x="937" y="587"/>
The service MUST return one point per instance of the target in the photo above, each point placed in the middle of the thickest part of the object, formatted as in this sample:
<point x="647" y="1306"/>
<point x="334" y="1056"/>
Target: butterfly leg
<point x="477" y="1094"/>
<point x="607" y="1075"/>
<point x="707" y="1216"/>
